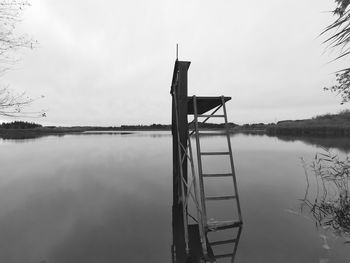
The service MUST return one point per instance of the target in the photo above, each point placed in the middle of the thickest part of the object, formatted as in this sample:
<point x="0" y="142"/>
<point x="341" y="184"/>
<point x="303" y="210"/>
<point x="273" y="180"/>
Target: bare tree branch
<point x="12" y="105"/>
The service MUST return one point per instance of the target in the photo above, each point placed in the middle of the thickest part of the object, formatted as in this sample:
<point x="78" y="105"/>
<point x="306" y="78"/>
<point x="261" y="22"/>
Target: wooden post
<point x="179" y="130"/>
<point x="180" y="95"/>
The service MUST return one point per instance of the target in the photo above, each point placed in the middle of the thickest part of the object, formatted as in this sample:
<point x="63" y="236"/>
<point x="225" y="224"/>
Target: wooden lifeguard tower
<point x="190" y="240"/>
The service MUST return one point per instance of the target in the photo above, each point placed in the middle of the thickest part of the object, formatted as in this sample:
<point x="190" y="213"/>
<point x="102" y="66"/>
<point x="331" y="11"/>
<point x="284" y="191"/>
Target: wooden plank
<point x="224" y="197"/>
<point x="205" y="104"/>
<point x="215" y="153"/>
<point x="211" y="116"/>
<point x="217" y="175"/>
<point x="214" y="226"/>
<point x="230" y="255"/>
<point x="223" y="242"/>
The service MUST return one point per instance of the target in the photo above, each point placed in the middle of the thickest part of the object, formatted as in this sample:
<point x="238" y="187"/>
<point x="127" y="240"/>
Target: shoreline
<point x="272" y="131"/>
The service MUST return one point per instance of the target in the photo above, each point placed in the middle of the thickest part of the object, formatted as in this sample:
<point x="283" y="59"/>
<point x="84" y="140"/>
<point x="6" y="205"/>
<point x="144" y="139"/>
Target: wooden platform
<point x="205" y="104"/>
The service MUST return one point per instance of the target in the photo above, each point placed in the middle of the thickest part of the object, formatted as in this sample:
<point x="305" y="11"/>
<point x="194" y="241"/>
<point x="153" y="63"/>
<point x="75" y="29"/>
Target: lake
<point x="107" y="198"/>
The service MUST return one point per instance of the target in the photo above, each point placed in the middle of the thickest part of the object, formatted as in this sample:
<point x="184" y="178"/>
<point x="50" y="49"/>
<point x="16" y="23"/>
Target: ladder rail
<point x="199" y="161"/>
<point x="236" y="244"/>
<point x="231" y="159"/>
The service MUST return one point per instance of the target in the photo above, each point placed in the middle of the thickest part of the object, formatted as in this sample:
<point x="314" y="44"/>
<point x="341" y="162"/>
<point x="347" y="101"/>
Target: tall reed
<point x="330" y="201"/>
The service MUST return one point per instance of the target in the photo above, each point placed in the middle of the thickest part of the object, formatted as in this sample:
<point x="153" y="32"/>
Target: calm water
<point x="107" y="198"/>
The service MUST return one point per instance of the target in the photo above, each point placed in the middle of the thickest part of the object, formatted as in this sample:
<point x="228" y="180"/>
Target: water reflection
<point x="33" y="135"/>
<point x="329" y="203"/>
<point x="74" y="200"/>
<point x="106" y="198"/>
<point x="222" y="245"/>
<point x="341" y="143"/>
<point x="26" y="136"/>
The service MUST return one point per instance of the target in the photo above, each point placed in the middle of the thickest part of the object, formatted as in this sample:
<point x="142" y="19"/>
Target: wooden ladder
<point x="217" y="225"/>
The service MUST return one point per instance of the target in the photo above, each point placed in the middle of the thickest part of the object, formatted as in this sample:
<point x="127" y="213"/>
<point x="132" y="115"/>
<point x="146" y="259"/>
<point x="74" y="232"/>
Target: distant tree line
<point x="19" y="125"/>
<point x="323" y="125"/>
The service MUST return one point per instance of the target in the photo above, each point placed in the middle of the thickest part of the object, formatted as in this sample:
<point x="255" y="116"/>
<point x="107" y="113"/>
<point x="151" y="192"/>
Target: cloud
<point x="110" y="62"/>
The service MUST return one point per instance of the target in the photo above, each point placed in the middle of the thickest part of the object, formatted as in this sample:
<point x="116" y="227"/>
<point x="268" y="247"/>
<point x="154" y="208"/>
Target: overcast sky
<point x="110" y="62"/>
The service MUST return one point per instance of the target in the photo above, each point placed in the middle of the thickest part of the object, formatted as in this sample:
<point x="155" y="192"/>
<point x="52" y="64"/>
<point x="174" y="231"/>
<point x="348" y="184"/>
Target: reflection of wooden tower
<point x="190" y="240"/>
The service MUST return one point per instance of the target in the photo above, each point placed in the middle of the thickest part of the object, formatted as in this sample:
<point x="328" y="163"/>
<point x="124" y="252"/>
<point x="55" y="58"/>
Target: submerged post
<point x="179" y="128"/>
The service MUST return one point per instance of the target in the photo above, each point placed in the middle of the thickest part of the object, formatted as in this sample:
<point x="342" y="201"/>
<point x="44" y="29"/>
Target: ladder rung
<point x="217" y="175"/>
<point x="215" y="153"/>
<point x="223" y="242"/>
<point x="211" y="132"/>
<point x="224" y="197"/>
<point x="210" y="116"/>
<point x="230" y="255"/>
<point x="214" y="226"/>
<point x="221" y="129"/>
